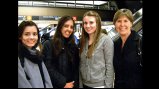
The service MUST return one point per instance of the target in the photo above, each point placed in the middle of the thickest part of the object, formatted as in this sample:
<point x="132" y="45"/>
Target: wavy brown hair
<point x="85" y="34"/>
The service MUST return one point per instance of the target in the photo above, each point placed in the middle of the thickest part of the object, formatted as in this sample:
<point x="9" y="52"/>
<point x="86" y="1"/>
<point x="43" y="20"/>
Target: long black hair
<point x="58" y="38"/>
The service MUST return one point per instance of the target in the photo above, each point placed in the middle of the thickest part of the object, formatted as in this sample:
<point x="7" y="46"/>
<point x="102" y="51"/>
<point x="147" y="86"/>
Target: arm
<point x="58" y="80"/>
<point x="77" y="59"/>
<point x="80" y="81"/>
<point x="22" y="80"/>
<point x="108" y="54"/>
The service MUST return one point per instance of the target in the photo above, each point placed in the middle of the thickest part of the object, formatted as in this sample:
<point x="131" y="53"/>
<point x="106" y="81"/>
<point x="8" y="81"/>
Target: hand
<point x="69" y="85"/>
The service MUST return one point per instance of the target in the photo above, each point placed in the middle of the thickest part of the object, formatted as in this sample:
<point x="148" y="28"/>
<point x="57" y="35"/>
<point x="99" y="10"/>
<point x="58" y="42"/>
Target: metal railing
<point x="102" y="5"/>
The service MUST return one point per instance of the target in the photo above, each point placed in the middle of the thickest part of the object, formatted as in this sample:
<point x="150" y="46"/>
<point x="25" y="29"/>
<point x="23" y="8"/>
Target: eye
<point x="26" y="34"/>
<point x="35" y="34"/>
<point x="125" y="20"/>
<point x="85" y="23"/>
<point x="118" y="21"/>
<point x="71" y="27"/>
<point x="91" y="22"/>
<point x="66" y="26"/>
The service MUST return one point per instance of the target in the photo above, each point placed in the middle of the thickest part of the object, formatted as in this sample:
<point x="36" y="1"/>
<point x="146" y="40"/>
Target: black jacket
<point x="61" y="68"/>
<point x="128" y="72"/>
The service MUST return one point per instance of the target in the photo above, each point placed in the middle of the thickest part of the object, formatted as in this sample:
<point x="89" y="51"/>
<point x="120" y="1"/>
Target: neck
<point x="124" y="38"/>
<point x="91" y="38"/>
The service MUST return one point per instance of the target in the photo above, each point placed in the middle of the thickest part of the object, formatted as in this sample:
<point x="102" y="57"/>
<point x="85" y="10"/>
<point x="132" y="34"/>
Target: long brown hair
<point x="58" y="39"/>
<point x="85" y="34"/>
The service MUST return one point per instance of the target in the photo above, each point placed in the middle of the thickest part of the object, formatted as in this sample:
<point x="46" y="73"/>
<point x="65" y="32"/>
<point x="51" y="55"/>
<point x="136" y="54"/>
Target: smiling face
<point x="67" y="29"/>
<point x="30" y="36"/>
<point x="89" y="23"/>
<point x="123" y="25"/>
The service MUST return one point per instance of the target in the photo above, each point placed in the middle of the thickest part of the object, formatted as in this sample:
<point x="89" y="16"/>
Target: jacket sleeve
<point x="58" y="80"/>
<point x="109" y="53"/>
<point x="80" y="81"/>
<point x="77" y="58"/>
<point x="22" y="80"/>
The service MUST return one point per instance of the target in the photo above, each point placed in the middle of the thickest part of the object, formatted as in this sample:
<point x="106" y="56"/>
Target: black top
<point x="128" y="72"/>
<point x="63" y="68"/>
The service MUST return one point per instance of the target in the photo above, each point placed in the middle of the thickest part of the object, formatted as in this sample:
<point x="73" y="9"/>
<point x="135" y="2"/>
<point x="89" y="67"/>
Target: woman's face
<point x="30" y="36"/>
<point x="89" y="23"/>
<point x="67" y="29"/>
<point x="123" y="25"/>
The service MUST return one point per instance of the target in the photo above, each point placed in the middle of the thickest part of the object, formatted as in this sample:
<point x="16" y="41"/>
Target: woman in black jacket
<point x="127" y="62"/>
<point x="62" y="55"/>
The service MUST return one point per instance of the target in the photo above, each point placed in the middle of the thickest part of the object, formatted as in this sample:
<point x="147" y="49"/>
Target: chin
<point x="67" y="36"/>
<point x="31" y="45"/>
<point x="89" y="32"/>
<point x="123" y="33"/>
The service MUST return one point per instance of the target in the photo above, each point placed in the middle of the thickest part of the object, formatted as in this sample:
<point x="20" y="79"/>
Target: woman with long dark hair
<point x="62" y="55"/>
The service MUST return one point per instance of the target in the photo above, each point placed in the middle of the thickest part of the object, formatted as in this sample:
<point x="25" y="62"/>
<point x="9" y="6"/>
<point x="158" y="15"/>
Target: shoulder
<point x="117" y="41"/>
<point x="19" y="64"/>
<point x="107" y="39"/>
<point x="48" y="43"/>
<point x="137" y="38"/>
<point x="105" y="36"/>
<point x="135" y="35"/>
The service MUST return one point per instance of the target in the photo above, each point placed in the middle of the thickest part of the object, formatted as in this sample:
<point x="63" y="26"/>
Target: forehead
<point x="69" y="22"/>
<point x="123" y="17"/>
<point x="30" y="29"/>
<point x="89" y="18"/>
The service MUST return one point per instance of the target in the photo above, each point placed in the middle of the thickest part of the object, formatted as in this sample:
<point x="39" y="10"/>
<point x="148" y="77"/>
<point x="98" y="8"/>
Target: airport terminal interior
<point x="47" y="13"/>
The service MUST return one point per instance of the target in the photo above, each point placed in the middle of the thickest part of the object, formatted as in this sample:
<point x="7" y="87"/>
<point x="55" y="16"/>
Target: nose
<point x="31" y="36"/>
<point x="69" y="28"/>
<point x="87" y="25"/>
<point x="122" y="23"/>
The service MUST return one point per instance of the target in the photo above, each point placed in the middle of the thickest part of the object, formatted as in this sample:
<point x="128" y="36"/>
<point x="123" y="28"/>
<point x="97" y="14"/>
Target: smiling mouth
<point x="31" y="42"/>
<point x="67" y="33"/>
<point x="89" y="29"/>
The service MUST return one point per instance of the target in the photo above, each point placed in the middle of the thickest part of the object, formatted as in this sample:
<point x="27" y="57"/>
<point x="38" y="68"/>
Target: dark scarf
<point x="33" y="55"/>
